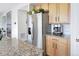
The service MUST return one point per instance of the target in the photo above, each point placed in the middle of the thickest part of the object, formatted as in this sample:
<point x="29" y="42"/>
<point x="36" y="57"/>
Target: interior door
<point x="9" y="24"/>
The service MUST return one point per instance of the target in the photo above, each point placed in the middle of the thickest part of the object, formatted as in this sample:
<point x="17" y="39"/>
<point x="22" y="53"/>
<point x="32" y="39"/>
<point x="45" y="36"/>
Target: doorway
<point x="9" y="24"/>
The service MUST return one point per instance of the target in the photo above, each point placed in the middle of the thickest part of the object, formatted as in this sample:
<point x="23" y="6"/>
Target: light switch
<point x="77" y="40"/>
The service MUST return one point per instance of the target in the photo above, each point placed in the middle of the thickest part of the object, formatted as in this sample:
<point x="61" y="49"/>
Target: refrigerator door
<point x="39" y="37"/>
<point x="35" y="30"/>
<point x="45" y="23"/>
<point x="30" y="27"/>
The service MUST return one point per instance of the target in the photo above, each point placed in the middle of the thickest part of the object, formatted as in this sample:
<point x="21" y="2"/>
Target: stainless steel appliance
<point x="58" y="29"/>
<point x="30" y="29"/>
<point x="38" y="27"/>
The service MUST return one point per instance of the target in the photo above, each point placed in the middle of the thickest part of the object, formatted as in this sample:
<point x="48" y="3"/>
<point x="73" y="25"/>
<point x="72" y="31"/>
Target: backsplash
<point x="66" y="28"/>
<point x="49" y="28"/>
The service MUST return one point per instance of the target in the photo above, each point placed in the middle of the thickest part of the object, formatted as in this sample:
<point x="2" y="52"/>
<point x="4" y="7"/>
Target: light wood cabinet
<point x="59" y="13"/>
<point x="56" y="46"/>
<point x="50" y="46"/>
<point x="44" y="6"/>
<point x="41" y="5"/>
<point x="62" y="48"/>
<point x="64" y="13"/>
<point x="37" y="6"/>
<point x="52" y="13"/>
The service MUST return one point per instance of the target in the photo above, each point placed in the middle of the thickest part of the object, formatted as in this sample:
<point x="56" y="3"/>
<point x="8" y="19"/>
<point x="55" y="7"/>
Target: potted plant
<point x="34" y="11"/>
<point x="30" y="12"/>
<point x="41" y="10"/>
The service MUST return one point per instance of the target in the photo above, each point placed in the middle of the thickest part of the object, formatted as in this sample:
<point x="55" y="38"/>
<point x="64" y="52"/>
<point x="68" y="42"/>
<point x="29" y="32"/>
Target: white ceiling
<point x="6" y="6"/>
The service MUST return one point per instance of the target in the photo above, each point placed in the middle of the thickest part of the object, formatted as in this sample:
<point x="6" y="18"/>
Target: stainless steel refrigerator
<point x="37" y="29"/>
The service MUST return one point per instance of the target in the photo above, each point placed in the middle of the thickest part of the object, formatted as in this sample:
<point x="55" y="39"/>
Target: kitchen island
<point x="24" y="49"/>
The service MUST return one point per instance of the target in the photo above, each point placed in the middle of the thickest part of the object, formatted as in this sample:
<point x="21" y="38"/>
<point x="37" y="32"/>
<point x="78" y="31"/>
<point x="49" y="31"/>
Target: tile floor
<point x="24" y="49"/>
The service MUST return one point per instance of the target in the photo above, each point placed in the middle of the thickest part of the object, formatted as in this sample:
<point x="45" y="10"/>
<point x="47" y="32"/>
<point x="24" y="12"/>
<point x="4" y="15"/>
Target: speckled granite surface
<point x="24" y="49"/>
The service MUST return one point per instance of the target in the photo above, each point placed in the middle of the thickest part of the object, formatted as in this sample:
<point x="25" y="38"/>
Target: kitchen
<point x="57" y="35"/>
<point x="52" y="27"/>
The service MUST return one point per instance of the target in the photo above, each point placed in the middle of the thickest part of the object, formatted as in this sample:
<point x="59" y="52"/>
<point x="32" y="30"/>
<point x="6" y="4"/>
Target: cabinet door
<point x="44" y="6"/>
<point x="61" y="49"/>
<point x="50" y="46"/>
<point x="52" y="13"/>
<point x="64" y="13"/>
<point x="54" y="42"/>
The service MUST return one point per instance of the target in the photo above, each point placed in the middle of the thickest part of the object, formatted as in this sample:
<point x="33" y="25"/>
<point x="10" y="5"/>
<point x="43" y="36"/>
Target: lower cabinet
<point x="62" y="49"/>
<point x="50" y="50"/>
<point x="56" y="46"/>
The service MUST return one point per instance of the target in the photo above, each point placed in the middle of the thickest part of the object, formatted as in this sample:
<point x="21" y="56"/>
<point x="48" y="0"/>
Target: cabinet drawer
<point x="63" y="40"/>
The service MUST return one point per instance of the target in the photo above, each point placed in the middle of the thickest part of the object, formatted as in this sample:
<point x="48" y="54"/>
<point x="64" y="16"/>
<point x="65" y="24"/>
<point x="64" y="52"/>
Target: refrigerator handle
<point x="29" y="31"/>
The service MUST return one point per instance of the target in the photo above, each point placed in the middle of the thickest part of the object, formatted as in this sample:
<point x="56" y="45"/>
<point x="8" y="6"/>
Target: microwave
<point x="58" y="29"/>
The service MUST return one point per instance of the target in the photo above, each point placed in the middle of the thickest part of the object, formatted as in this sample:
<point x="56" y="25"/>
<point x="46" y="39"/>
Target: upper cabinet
<point x="64" y="13"/>
<point x="59" y="13"/>
<point x="37" y="6"/>
<point x="41" y="5"/>
<point x="44" y="6"/>
<point x="52" y="13"/>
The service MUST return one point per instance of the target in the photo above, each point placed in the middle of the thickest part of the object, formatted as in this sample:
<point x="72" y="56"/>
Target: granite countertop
<point x="24" y="49"/>
<point x="63" y="36"/>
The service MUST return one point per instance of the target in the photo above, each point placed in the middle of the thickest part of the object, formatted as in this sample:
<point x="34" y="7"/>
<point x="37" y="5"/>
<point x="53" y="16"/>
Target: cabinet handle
<point x="56" y="46"/>
<point x="58" y="18"/>
<point x="53" y="45"/>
